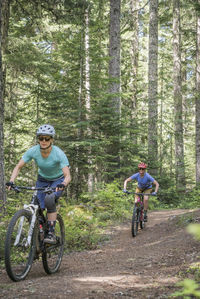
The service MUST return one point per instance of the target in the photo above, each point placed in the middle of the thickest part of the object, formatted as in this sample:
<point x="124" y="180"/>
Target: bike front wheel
<point x="52" y="254"/>
<point x="134" y="227"/>
<point x="19" y="253"/>
<point x="142" y="223"/>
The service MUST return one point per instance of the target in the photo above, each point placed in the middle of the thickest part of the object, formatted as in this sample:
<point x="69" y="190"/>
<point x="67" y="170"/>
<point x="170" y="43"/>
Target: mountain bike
<point x="24" y="241"/>
<point x="138" y="213"/>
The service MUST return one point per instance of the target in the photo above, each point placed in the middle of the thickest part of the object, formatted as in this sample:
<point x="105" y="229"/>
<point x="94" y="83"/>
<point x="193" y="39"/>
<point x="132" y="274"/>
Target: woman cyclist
<point x="145" y="181"/>
<point x="53" y="171"/>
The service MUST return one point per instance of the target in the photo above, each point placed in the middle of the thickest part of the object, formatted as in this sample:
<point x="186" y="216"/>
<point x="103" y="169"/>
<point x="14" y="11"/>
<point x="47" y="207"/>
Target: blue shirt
<point x="51" y="167"/>
<point x="143" y="182"/>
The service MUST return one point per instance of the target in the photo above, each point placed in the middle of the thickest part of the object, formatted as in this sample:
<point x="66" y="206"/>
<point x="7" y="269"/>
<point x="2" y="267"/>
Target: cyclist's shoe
<point x="50" y="238"/>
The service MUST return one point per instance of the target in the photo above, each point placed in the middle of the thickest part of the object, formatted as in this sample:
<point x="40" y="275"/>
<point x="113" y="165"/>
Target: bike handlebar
<point x="146" y="194"/>
<point x="45" y="189"/>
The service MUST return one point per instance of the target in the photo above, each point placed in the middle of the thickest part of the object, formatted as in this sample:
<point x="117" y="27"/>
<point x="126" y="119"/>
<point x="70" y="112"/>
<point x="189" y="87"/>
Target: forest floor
<point x="148" y="266"/>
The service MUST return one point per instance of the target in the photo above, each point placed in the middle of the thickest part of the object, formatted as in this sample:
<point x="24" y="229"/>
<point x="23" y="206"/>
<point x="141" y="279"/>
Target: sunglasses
<point x="141" y="168"/>
<point x="41" y="138"/>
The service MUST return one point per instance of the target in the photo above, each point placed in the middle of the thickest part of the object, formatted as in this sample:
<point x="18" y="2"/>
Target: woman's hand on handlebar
<point x="9" y="185"/>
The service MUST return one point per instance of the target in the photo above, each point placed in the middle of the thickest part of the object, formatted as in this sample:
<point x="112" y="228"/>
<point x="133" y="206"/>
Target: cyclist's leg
<point x="137" y="190"/>
<point x="146" y="198"/>
<point x="40" y="194"/>
<point x="146" y="203"/>
<point x="50" y="203"/>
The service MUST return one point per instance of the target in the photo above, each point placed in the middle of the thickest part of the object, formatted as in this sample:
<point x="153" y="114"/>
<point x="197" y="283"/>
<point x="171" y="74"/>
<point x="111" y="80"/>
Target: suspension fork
<point x="19" y="231"/>
<point x="33" y="209"/>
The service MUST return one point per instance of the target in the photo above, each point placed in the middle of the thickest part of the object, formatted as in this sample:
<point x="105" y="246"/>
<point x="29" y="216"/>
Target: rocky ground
<point x="148" y="266"/>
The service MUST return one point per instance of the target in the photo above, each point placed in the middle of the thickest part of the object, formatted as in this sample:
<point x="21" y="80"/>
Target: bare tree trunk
<point x="153" y="88"/>
<point x="161" y="120"/>
<point x="198" y="99"/>
<point x="87" y="103"/>
<point x="114" y="90"/>
<point x="114" y="54"/>
<point x="76" y="171"/>
<point x="134" y="5"/>
<point x="178" y="121"/>
<point x="2" y="180"/>
<point x="5" y="6"/>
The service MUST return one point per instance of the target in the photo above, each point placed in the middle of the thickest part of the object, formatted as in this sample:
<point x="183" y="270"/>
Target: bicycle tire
<point x="142" y="223"/>
<point x="19" y="257"/>
<point x="134" y="226"/>
<point x="52" y="254"/>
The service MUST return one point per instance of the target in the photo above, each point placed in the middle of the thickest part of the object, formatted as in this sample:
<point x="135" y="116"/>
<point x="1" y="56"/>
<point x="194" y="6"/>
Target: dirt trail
<point x="147" y="266"/>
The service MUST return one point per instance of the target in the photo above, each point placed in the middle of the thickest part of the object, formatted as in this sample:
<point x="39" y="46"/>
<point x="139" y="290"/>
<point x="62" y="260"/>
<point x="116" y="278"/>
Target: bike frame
<point x="31" y="208"/>
<point x="25" y="238"/>
<point x="138" y="212"/>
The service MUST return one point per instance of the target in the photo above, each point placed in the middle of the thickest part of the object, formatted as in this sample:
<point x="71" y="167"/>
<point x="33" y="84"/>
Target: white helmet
<point x="46" y="130"/>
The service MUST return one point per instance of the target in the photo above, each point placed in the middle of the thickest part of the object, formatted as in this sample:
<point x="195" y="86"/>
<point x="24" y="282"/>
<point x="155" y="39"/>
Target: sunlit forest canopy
<point x="119" y="81"/>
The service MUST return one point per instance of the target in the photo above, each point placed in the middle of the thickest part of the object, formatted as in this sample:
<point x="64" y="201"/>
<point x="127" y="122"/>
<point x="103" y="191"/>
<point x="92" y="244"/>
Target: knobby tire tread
<point x="142" y="223"/>
<point x="8" y="243"/>
<point x="45" y="256"/>
<point x="134" y="229"/>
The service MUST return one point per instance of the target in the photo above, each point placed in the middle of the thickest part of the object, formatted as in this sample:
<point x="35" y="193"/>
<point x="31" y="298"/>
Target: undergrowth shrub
<point x="190" y="287"/>
<point x="81" y="227"/>
<point x="85" y="221"/>
<point x="191" y="199"/>
<point x="109" y="203"/>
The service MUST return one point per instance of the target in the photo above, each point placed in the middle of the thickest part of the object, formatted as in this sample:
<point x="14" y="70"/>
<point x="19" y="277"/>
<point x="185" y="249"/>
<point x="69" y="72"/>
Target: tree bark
<point x="114" y="100"/>
<point x="178" y="121"/>
<point x="153" y="88"/>
<point x="2" y="180"/>
<point x="88" y="100"/>
<point x="114" y="54"/>
<point x="134" y="5"/>
<point x="198" y="98"/>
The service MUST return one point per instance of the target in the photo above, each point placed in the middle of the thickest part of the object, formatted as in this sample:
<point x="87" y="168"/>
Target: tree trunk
<point x="178" y="121"/>
<point x="114" y="54"/>
<point x="153" y="88"/>
<point x="134" y="5"/>
<point x="198" y="99"/>
<point x="87" y="102"/>
<point x="114" y="90"/>
<point x="2" y="181"/>
<point x="161" y="119"/>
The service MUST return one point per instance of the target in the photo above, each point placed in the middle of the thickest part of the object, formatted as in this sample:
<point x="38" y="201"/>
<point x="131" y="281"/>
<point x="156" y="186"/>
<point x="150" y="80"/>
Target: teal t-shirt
<point x="51" y="167"/>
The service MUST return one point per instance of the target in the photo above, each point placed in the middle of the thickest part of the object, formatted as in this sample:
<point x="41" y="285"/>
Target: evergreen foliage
<point x="45" y="61"/>
<point x="44" y="64"/>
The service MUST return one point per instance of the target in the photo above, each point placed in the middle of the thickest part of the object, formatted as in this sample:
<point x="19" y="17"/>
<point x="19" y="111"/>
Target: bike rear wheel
<point x="18" y="254"/>
<point x="52" y="254"/>
<point x="134" y="227"/>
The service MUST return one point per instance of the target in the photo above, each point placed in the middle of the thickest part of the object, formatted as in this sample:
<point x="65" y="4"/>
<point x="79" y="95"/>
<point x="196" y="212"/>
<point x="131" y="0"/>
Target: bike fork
<point x="19" y="231"/>
<point x="30" y="232"/>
